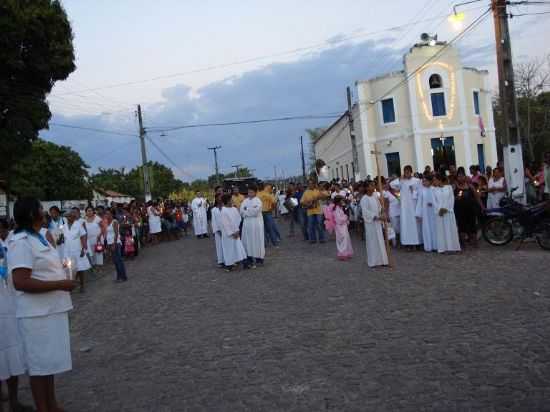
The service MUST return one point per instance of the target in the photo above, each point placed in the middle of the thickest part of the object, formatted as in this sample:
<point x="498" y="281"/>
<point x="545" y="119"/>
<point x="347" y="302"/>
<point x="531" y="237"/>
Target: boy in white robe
<point x="217" y="229"/>
<point x="425" y="213"/>
<point x="199" y="205"/>
<point x="233" y="250"/>
<point x="253" y="228"/>
<point x="372" y="215"/>
<point x="445" y="222"/>
<point x="407" y="185"/>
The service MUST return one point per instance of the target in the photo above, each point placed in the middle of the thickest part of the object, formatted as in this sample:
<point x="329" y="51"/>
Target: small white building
<point x="103" y="197"/>
<point x="433" y="112"/>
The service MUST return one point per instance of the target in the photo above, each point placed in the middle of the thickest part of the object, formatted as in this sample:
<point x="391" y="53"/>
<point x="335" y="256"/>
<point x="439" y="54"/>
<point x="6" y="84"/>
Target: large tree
<point x="36" y="50"/>
<point x="51" y="172"/>
<point x="110" y="179"/>
<point x="163" y="181"/>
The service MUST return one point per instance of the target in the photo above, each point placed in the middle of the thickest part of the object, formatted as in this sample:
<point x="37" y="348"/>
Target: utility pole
<point x="512" y="150"/>
<point x="215" y="150"/>
<point x="355" y="156"/>
<point x="236" y="169"/>
<point x="303" y="159"/>
<point x="144" y="167"/>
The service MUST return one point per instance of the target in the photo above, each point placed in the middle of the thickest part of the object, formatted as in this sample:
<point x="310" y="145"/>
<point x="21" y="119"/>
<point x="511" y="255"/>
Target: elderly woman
<point x="42" y="303"/>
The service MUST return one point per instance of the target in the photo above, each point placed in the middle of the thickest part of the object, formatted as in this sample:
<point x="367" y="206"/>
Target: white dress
<point x="42" y="318"/>
<point x="217" y="229"/>
<point x="56" y="230"/>
<point x="411" y="233"/>
<point x="73" y="245"/>
<point x="233" y="250"/>
<point x="394" y="211"/>
<point x="93" y="229"/>
<point x="200" y="222"/>
<point x="12" y="358"/>
<point x="445" y="226"/>
<point x="376" y="247"/>
<point x="426" y="212"/>
<point x="155" y="225"/>
<point x="253" y="228"/>
<point x="493" y="199"/>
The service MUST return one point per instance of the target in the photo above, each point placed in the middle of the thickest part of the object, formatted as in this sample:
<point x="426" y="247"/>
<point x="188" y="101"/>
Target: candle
<point x="460" y="193"/>
<point x="68" y="265"/>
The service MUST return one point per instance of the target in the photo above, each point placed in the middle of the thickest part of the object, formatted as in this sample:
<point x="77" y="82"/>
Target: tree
<point x="163" y="181"/>
<point x="110" y="179"/>
<point x="51" y="172"/>
<point x="314" y="135"/>
<point x="36" y="50"/>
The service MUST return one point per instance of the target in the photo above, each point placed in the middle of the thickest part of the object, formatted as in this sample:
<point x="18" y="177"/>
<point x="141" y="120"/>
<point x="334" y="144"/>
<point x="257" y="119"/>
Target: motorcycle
<point x="513" y="220"/>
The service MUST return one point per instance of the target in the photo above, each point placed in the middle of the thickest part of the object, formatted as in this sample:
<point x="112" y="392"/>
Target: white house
<point x="433" y="112"/>
<point x="107" y="197"/>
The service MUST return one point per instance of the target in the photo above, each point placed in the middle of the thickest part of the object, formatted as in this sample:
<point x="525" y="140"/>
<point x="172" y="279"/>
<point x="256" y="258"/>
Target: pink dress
<point x="343" y="240"/>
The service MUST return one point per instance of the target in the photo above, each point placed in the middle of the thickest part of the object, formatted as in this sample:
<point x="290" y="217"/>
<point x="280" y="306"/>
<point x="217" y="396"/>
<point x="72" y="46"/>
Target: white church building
<point x="433" y="112"/>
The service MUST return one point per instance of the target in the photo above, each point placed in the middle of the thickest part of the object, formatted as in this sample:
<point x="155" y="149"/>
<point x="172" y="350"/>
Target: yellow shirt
<point x="237" y="200"/>
<point x="268" y="201"/>
<point x="310" y="200"/>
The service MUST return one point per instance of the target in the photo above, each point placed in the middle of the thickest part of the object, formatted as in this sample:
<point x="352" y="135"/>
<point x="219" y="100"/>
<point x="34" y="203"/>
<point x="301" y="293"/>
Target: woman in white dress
<point x="76" y="246"/>
<point x="445" y="221"/>
<point x="253" y="228"/>
<point x="372" y="215"/>
<point x="496" y="188"/>
<point x="233" y="250"/>
<point x="42" y="303"/>
<point x="95" y="236"/>
<point x="411" y="230"/>
<point x="155" y="224"/>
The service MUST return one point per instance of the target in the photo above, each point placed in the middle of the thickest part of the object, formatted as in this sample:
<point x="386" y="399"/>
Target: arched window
<point x="435" y="81"/>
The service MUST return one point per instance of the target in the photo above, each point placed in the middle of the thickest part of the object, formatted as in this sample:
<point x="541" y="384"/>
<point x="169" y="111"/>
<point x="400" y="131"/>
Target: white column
<point x="364" y="107"/>
<point x="464" y="117"/>
<point x="489" y="123"/>
<point x="417" y="136"/>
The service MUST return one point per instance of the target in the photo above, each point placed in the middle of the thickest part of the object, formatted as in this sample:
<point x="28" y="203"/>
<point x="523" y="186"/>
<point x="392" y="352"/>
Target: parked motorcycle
<point x="513" y="220"/>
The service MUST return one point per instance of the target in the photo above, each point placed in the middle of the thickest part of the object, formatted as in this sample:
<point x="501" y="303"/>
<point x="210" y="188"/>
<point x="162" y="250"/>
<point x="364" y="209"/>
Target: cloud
<point x="313" y="85"/>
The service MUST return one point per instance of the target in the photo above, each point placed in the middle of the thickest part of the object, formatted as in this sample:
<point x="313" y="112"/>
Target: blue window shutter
<point x="388" y="111"/>
<point x="476" y="102"/>
<point x="438" y="104"/>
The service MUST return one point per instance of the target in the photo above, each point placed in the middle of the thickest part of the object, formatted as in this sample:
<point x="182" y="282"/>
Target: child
<point x="341" y="220"/>
<point x="233" y="250"/>
<point x="253" y="228"/>
<point x="425" y="213"/>
<point x="372" y="215"/>
<point x="217" y="229"/>
<point x="393" y="210"/>
<point x="445" y="222"/>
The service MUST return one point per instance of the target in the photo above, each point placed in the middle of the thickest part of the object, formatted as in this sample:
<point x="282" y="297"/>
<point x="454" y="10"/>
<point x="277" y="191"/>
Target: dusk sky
<point x="183" y="62"/>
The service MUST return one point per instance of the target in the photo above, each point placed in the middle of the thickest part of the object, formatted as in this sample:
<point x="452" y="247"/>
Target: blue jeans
<point x="119" y="264"/>
<point x="271" y="232"/>
<point x="302" y="220"/>
<point x="316" y="226"/>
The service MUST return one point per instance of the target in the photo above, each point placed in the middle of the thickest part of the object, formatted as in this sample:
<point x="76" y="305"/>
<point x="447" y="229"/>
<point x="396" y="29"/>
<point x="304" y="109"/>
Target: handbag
<point x="99" y="248"/>
<point x="129" y="245"/>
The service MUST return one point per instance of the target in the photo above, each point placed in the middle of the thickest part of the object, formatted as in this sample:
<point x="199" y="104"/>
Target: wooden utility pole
<point x="303" y="159"/>
<point x="215" y="150"/>
<point x="385" y="222"/>
<point x="512" y="150"/>
<point x="144" y="167"/>
<point x="355" y="156"/>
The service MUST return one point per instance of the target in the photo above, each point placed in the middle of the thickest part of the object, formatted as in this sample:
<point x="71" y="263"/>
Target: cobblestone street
<point x="306" y="332"/>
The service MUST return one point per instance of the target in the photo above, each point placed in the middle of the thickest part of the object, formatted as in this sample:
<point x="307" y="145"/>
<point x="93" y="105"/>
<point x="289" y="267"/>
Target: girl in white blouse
<point x="42" y="302"/>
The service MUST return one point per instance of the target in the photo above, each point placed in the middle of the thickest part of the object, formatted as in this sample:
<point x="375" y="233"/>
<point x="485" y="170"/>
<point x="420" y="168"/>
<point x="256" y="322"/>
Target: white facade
<point x="434" y="113"/>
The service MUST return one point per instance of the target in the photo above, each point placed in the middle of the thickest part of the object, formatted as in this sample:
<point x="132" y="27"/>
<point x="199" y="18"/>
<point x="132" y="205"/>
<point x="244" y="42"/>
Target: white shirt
<point x="27" y="251"/>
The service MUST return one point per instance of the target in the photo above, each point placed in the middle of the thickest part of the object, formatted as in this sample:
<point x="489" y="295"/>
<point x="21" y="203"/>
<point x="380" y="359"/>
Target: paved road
<point x="454" y="333"/>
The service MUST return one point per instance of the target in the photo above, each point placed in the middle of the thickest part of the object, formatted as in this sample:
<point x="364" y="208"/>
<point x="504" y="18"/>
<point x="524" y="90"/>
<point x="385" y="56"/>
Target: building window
<point x="476" y="102"/>
<point x="388" y="111"/>
<point x="443" y="153"/>
<point x="394" y="164"/>
<point x="435" y="81"/>
<point x="438" y="104"/>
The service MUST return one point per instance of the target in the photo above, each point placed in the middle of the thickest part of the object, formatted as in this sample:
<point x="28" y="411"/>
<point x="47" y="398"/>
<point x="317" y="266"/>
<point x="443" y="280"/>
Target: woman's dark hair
<point x="26" y="211"/>
<point x="429" y="178"/>
<point x="90" y="207"/>
<point x="56" y="209"/>
<point x="442" y="177"/>
<point x="338" y="200"/>
<point x="409" y="168"/>
<point x="253" y="187"/>
<point x="4" y="224"/>
<point x="226" y="199"/>
<point x="461" y="171"/>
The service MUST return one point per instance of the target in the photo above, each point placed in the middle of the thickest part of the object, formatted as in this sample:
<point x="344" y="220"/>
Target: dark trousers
<point x="302" y="219"/>
<point x="119" y="264"/>
<point x="270" y="229"/>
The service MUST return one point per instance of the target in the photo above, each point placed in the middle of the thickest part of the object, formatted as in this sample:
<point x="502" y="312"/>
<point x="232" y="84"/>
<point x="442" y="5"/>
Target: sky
<point x="211" y="61"/>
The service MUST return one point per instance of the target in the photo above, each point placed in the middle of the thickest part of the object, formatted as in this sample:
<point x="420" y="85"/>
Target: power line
<point x="183" y="172"/>
<point x="92" y="129"/>
<point x="529" y="14"/>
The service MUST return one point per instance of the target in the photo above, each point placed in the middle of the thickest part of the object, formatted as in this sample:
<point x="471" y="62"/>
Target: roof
<point x="111" y="193"/>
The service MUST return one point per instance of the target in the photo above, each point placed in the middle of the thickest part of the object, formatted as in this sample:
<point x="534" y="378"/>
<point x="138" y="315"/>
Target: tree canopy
<point x="51" y="172"/>
<point x="36" y="50"/>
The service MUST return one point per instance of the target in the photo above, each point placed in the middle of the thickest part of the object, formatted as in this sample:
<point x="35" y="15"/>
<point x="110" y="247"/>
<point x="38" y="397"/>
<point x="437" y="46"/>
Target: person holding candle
<point x="393" y="210"/>
<point x="496" y="188"/>
<point x="155" y="225"/>
<point x="112" y="235"/>
<point x="466" y="206"/>
<point x="42" y="303"/>
<point x="55" y="227"/>
<point x="95" y="236"/>
<point x="76" y="245"/>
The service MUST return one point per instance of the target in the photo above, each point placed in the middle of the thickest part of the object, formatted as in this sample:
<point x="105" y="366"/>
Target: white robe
<point x="426" y="212"/>
<point x="376" y="246"/>
<point x="73" y="245"/>
<point x="200" y="223"/>
<point x="233" y="250"/>
<point x="411" y="233"/>
<point x="93" y="231"/>
<point x="447" y="232"/>
<point x="253" y="228"/>
<point x="155" y="224"/>
<point x="494" y="198"/>
<point x="217" y="229"/>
